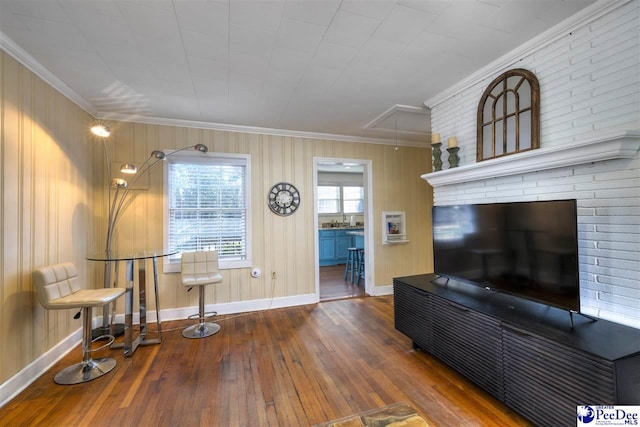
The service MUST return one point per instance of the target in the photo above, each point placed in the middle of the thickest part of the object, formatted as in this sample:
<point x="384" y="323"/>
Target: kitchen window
<point x="352" y="200"/>
<point x="338" y="199"/>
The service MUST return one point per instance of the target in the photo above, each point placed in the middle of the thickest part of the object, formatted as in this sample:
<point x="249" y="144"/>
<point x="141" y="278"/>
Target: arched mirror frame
<point x="510" y="143"/>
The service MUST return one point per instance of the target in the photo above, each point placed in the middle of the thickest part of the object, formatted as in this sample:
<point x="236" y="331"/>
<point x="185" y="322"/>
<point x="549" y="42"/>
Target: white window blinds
<point x="353" y="200"/>
<point x="208" y="206"/>
<point x="337" y="199"/>
<point x="328" y="199"/>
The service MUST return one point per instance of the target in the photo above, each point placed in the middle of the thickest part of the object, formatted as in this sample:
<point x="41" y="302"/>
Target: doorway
<point x="343" y="219"/>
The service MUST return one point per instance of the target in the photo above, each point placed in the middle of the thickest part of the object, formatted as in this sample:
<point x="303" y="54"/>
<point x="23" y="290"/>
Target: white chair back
<point x="53" y="282"/>
<point x="200" y="267"/>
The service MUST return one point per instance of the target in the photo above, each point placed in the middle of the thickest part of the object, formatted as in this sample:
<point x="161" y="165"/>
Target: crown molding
<point x="584" y="17"/>
<point x="29" y="62"/>
<point x="257" y="130"/>
<point x="605" y="146"/>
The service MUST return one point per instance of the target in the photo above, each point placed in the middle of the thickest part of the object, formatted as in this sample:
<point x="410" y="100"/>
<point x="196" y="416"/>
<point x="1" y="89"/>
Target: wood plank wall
<point x="54" y="209"/>
<point x="46" y="209"/>
<point x="281" y="244"/>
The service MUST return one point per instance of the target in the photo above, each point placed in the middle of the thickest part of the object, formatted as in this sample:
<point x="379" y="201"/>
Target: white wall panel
<point x="590" y="82"/>
<point x="281" y="244"/>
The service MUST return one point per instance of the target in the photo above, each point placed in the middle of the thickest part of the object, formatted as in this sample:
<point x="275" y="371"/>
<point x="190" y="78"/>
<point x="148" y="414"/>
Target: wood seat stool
<point x="351" y="266"/>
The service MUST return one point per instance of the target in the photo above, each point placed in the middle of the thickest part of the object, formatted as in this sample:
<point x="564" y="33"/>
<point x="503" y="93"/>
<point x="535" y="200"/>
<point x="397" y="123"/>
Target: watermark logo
<point x="617" y="415"/>
<point x="586" y="414"/>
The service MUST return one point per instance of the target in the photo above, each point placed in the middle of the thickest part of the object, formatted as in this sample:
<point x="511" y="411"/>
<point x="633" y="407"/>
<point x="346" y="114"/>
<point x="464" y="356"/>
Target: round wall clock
<point x="283" y="199"/>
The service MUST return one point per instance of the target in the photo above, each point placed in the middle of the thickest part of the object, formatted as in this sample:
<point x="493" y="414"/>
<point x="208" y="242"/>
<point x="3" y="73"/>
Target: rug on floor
<point x="396" y="415"/>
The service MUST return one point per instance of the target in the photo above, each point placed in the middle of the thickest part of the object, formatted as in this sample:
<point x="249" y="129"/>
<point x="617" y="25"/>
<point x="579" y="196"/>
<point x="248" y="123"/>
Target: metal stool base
<point x="118" y="331"/>
<point x="201" y="330"/>
<point x="84" y="371"/>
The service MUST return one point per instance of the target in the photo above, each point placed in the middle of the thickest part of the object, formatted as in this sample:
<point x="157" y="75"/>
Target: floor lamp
<point x="121" y="199"/>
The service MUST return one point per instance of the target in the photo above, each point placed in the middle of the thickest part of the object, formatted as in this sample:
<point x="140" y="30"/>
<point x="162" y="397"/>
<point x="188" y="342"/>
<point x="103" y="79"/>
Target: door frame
<point x="369" y="279"/>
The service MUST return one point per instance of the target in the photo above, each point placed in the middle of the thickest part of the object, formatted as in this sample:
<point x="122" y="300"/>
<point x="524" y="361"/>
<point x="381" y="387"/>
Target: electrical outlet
<point x="274" y="275"/>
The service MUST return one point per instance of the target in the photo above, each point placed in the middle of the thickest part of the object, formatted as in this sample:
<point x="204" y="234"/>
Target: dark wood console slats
<point x="468" y="342"/>
<point x="545" y="382"/>
<point x="412" y="315"/>
<point x="523" y="353"/>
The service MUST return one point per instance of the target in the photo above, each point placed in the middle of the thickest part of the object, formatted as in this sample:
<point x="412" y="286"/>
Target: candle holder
<point x="453" y="157"/>
<point x="437" y="154"/>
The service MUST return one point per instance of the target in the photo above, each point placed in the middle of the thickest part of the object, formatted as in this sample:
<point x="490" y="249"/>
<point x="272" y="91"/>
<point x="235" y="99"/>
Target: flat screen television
<point x="527" y="249"/>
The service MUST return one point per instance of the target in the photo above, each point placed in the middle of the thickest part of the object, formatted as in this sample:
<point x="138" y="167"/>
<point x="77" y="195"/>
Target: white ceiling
<point x="323" y="66"/>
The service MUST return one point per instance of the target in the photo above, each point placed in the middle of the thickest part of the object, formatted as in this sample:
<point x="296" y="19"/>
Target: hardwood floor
<point x="295" y="366"/>
<point x="333" y="285"/>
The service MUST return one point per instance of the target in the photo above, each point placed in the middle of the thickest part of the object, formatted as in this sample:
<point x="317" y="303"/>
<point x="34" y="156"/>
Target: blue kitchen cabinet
<point x="327" y="242"/>
<point x="343" y="241"/>
<point x="333" y="245"/>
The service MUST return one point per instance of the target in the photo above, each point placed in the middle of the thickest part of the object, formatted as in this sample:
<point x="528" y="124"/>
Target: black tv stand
<point x="572" y="312"/>
<point x="521" y="352"/>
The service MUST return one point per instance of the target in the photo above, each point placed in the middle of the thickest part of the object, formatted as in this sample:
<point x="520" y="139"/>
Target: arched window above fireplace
<point x="509" y="115"/>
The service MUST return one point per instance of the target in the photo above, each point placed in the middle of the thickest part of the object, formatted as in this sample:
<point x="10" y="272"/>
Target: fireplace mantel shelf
<point x="615" y="145"/>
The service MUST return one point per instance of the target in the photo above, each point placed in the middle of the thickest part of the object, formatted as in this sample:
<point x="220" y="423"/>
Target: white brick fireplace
<point x="589" y="73"/>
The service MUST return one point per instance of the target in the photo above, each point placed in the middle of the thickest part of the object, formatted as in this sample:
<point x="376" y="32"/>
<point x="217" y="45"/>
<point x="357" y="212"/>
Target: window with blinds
<point x="328" y="199"/>
<point x="207" y="206"/>
<point x="353" y="200"/>
<point x="338" y="199"/>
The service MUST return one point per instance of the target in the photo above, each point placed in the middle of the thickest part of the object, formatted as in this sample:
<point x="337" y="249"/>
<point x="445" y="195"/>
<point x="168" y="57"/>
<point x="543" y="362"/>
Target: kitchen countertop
<point x="355" y="227"/>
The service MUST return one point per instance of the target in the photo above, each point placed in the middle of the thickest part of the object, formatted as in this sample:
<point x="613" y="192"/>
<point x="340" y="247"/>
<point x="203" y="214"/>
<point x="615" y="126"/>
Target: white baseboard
<point x="382" y="290"/>
<point x="242" y="306"/>
<point x="14" y="385"/>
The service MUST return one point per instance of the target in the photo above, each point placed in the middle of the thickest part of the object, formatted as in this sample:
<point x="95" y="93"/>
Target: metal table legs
<point x="130" y="344"/>
<point x="115" y="329"/>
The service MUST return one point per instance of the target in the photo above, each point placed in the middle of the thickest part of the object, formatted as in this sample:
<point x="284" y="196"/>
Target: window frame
<point x="342" y="200"/>
<point x="361" y="200"/>
<point x="173" y="265"/>
<point x="533" y="110"/>
<point x="339" y="187"/>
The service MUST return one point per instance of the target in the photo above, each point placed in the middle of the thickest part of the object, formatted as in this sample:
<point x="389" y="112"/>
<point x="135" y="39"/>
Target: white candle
<point x="452" y="142"/>
<point x="435" y="138"/>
